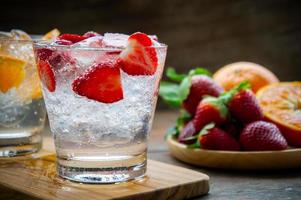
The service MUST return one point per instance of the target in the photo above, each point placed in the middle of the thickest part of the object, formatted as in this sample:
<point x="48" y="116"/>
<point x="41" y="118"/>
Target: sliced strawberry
<point x="90" y="34"/>
<point x="44" y="54"/>
<point x="71" y="37"/>
<point x="101" y="83"/>
<point x="139" y="57"/>
<point x="63" y="42"/>
<point x="46" y="75"/>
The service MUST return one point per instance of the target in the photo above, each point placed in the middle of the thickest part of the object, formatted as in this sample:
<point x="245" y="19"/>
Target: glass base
<point x="19" y="143"/>
<point x="11" y="151"/>
<point x="102" y="175"/>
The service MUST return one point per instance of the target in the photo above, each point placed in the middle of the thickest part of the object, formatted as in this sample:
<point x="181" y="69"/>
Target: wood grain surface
<point x="35" y="175"/>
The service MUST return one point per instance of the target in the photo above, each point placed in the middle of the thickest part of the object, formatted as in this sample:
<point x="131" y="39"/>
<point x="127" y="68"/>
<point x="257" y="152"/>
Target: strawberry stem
<point x="204" y="131"/>
<point x="227" y="96"/>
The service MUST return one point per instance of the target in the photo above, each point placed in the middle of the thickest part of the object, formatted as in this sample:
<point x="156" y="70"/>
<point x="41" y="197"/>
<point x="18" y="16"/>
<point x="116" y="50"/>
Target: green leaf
<point x="169" y="92"/>
<point x="172" y="131"/>
<point x="218" y="102"/>
<point x="184" y="88"/>
<point x="173" y="75"/>
<point x="227" y="96"/>
<point x="200" y="71"/>
<point x="185" y="115"/>
<point x="204" y="131"/>
<point x="195" y="145"/>
<point x="182" y="119"/>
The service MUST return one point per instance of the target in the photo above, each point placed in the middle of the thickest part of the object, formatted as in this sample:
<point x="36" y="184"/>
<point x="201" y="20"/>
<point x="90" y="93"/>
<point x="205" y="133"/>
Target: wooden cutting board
<point x="35" y="176"/>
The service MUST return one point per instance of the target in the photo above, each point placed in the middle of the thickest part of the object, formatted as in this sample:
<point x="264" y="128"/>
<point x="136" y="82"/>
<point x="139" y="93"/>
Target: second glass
<point x="100" y="116"/>
<point x="22" y="110"/>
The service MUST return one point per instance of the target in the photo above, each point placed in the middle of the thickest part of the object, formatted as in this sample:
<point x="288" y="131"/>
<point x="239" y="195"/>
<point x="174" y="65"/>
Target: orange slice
<point x="232" y="74"/>
<point x="11" y="72"/>
<point x="281" y="104"/>
<point x="51" y="35"/>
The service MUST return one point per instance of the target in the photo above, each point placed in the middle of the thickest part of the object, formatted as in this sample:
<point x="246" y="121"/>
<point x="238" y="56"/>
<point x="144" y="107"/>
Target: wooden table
<point x="224" y="184"/>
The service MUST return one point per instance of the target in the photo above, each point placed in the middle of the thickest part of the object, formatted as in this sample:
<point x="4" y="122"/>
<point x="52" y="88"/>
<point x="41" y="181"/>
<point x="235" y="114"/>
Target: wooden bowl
<point x="242" y="160"/>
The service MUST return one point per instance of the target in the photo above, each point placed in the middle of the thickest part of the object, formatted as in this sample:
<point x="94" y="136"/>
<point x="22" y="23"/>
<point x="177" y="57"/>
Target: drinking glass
<point x="22" y="110"/>
<point x="97" y="142"/>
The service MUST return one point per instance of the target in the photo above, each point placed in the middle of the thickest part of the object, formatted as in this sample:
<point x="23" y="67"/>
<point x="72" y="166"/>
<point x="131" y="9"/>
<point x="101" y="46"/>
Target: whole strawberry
<point x="210" y="109"/>
<point x="214" y="138"/>
<point x="242" y="104"/>
<point x="233" y="128"/>
<point x="262" y="136"/>
<point x="186" y="133"/>
<point x="244" y="107"/>
<point x="200" y="85"/>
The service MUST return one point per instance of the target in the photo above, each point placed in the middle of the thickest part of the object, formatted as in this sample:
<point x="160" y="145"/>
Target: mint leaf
<point x="169" y="92"/>
<point x="200" y="71"/>
<point x="184" y="88"/>
<point x="173" y="75"/>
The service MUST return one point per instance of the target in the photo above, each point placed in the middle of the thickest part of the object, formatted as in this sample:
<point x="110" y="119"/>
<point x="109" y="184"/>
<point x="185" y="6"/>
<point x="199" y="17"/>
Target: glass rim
<point x="47" y="44"/>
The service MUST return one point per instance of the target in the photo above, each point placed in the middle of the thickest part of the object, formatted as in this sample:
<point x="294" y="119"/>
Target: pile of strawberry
<point x="213" y="119"/>
<point x="102" y="81"/>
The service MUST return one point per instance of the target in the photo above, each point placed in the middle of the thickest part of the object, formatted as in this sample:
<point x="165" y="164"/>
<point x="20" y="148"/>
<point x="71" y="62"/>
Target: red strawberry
<point x="244" y="107"/>
<point x="216" y="139"/>
<point x="101" y="83"/>
<point x="63" y="42"/>
<point x="200" y="85"/>
<point x="210" y="109"/>
<point x="187" y="132"/>
<point x="262" y="136"/>
<point x="44" y="54"/>
<point x="231" y="128"/>
<point x="46" y="75"/>
<point x="71" y="37"/>
<point x="54" y="58"/>
<point x="139" y="57"/>
<point x="90" y="34"/>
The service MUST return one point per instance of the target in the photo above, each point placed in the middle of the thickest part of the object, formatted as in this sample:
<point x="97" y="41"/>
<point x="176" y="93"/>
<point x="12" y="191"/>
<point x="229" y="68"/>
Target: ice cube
<point x="153" y="37"/>
<point x="19" y="35"/>
<point x="12" y="109"/>
<point x="115" y="40"/>
<point x="95" y="41"/>
<point x="5" y="35"/>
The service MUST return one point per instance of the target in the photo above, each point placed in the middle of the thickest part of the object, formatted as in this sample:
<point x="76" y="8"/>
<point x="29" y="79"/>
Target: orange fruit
<point x="30" y="88"/>
<point x="281" y="104"/>
<point x="12" y="72"/>
<point x="232" y="74"/>
<point x="51" y="35"/>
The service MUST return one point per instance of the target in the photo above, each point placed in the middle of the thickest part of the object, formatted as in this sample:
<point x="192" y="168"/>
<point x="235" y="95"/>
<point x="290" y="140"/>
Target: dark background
<point x="203" y="33"/>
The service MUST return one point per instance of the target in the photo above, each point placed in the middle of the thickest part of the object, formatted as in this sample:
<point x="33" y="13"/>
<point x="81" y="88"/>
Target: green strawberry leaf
<point x="218" y="103"/>
<point x="182" y="119"/>
<point x="227" y="96"/>
<point x="172" y="132"/>
<point x="173" y="75"/>
<point x="184" y="88"/>
<point x="204" y="131"/>
<point x="174" y="94"/>
<point x="169" y="92"/>
<point x="199" y="71"/>
<point x="180" y="122"/>
<point x="195" y="145"/>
